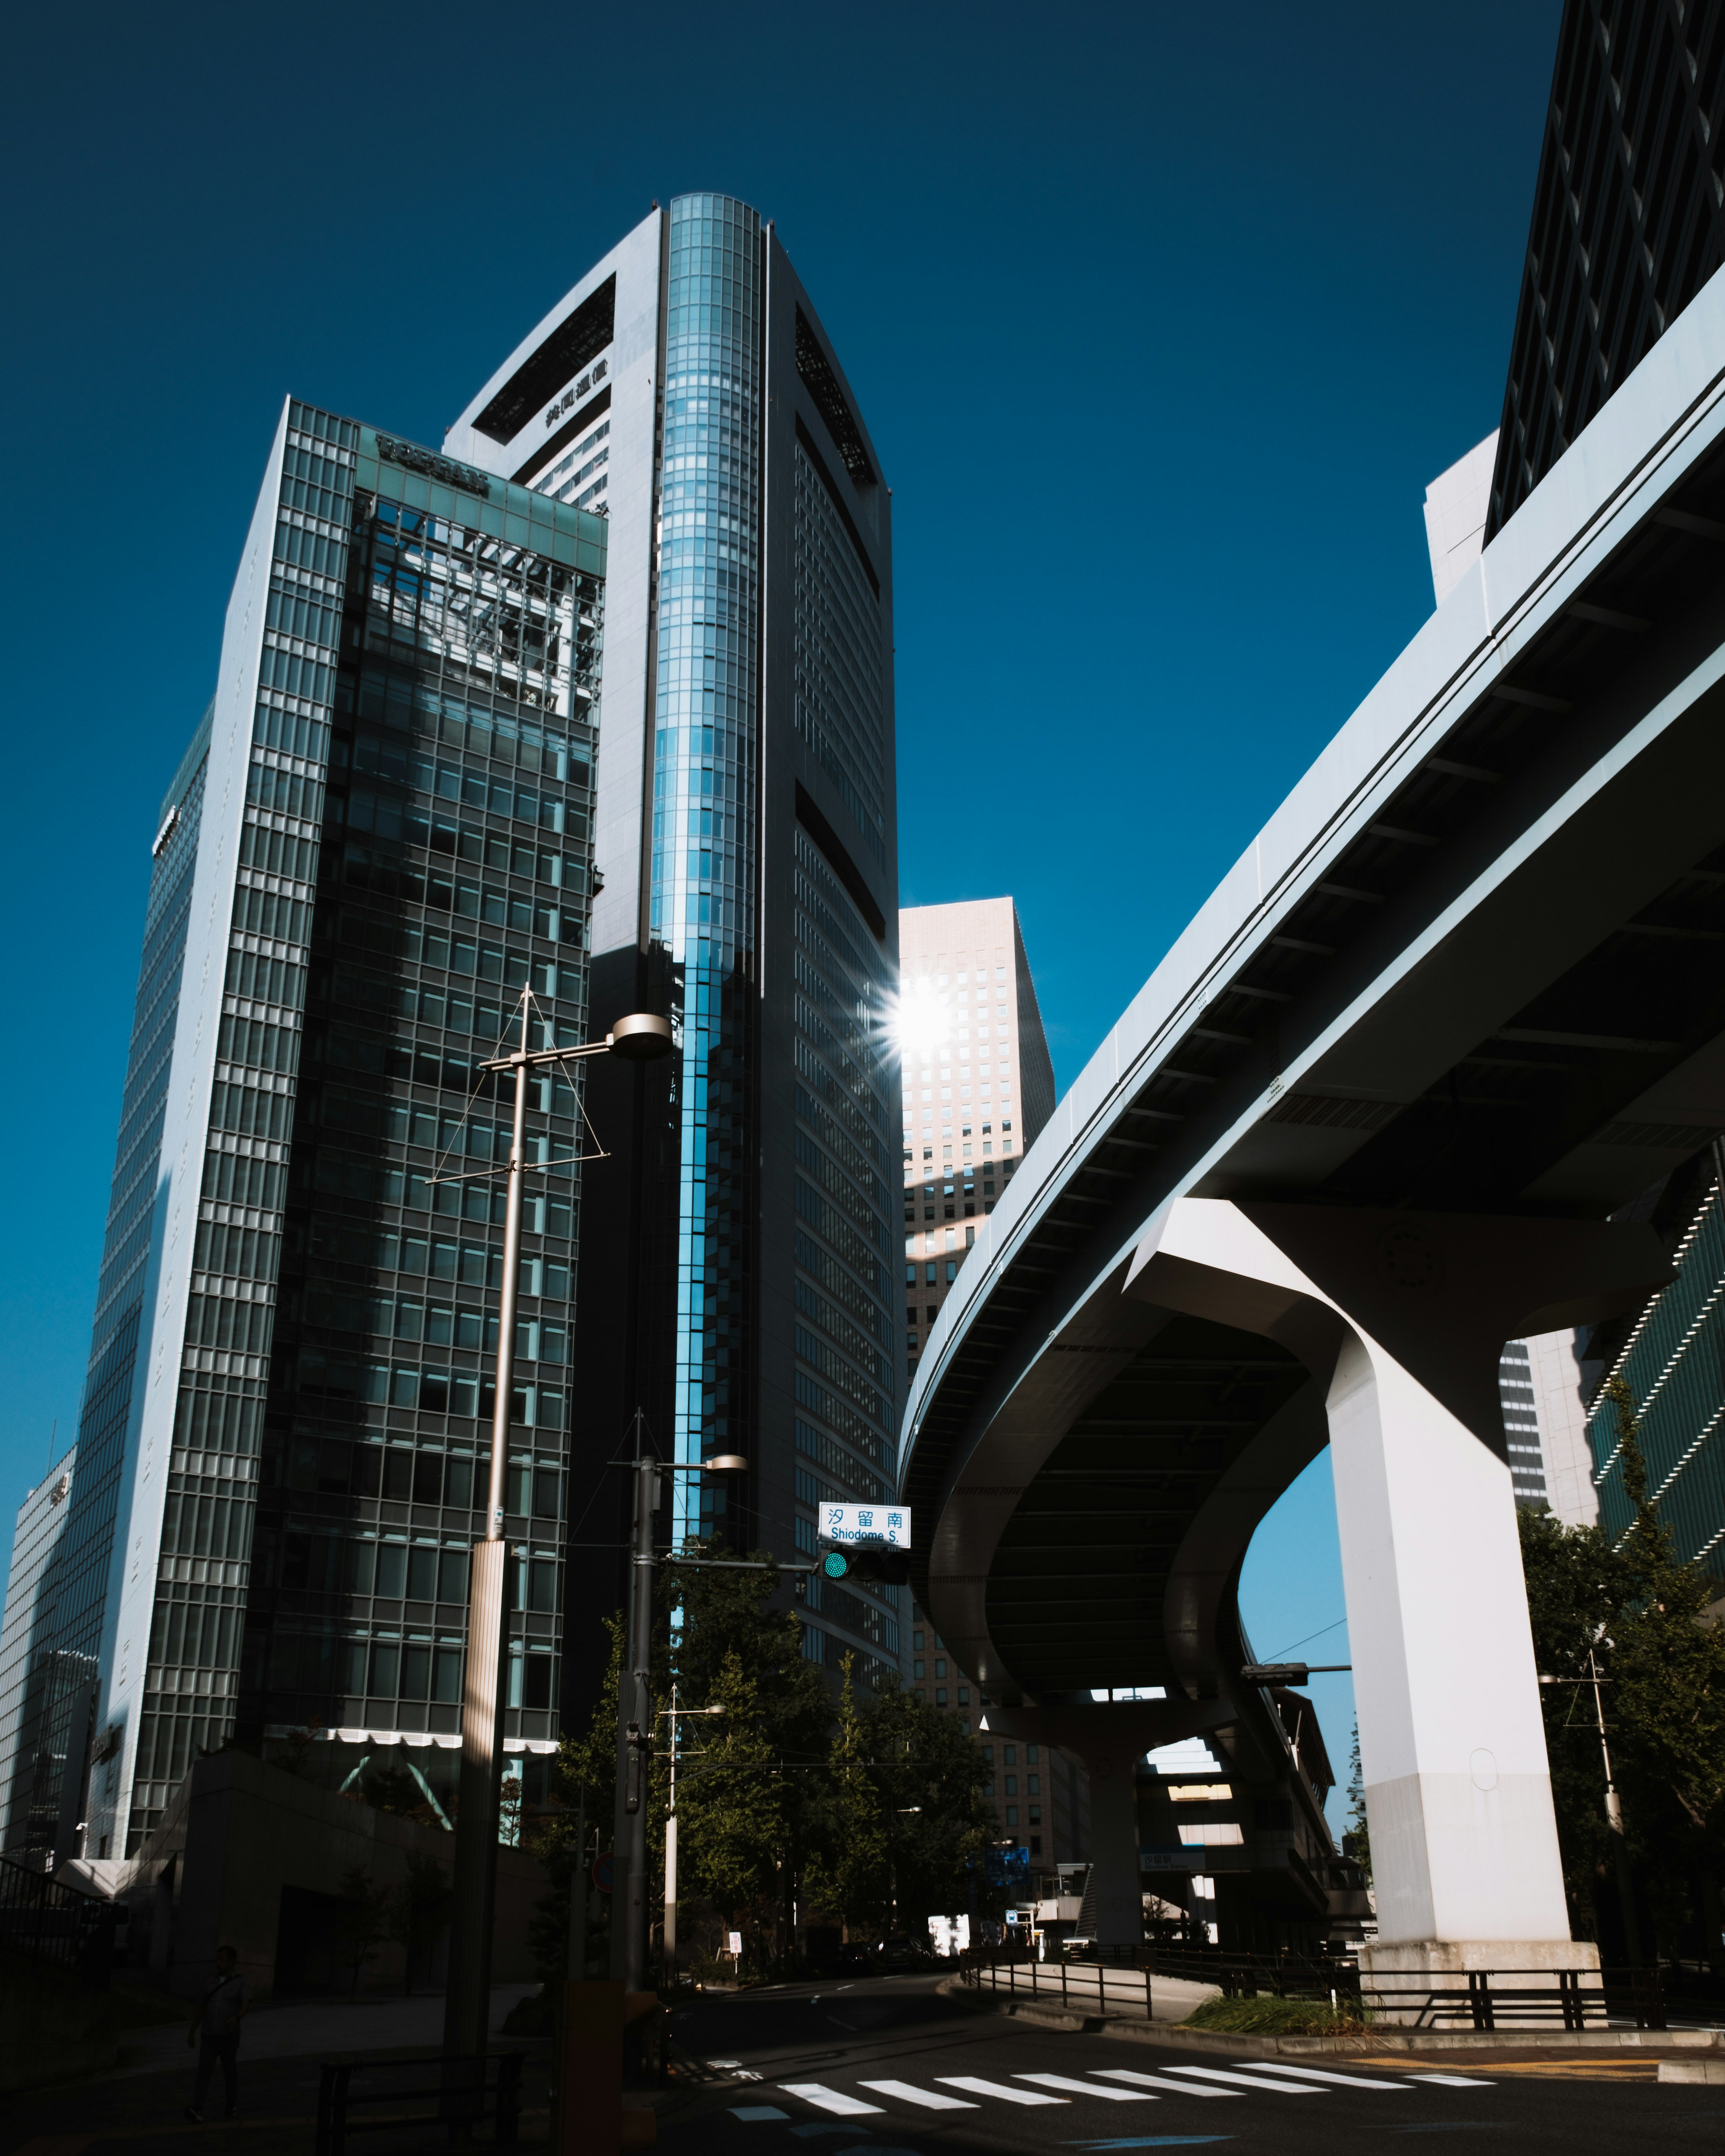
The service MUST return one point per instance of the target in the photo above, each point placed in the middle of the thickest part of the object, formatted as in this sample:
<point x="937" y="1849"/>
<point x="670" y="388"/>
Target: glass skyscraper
<point x="738" y="1282"/>
<point x="376" y="840"/>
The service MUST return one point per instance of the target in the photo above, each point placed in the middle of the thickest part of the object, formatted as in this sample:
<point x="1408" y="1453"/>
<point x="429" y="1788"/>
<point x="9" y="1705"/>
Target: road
<point x="887" y="2067"/>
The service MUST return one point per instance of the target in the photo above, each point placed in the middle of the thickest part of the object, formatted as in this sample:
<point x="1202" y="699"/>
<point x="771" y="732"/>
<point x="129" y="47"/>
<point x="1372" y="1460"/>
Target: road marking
<point x="1248" y="2081"/>
<point x="753" y="2111"/>
<point x="1088" y="2088"/>
<point x="838" y="2024"/>
<point x="977" y="2087"/>
<point x="816" y="2093"/>
<point x="1139" y="2141"/>
<point x="1320" y="2074"/>
<point x="1452" y="2081"/>
<point x="1159" y="2081"/>
<point x="928" y="2098"/>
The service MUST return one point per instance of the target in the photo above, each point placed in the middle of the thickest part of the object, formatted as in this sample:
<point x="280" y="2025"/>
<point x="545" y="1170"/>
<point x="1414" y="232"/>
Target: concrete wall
<point x="237" y="1832"/>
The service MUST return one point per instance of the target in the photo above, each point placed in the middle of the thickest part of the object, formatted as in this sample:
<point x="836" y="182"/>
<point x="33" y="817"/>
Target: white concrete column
<point x="1452" y="1741"/>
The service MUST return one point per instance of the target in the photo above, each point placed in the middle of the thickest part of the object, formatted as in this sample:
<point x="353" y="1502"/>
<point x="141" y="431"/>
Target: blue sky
<point x="1161" y="318"/>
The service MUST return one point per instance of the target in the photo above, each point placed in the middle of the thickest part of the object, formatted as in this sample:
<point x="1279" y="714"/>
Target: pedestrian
<point x="223" y="2006"/>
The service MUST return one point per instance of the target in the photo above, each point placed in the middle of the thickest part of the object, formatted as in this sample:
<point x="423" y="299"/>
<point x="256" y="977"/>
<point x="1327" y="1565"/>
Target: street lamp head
<point x="640" y="1038"/>
<point x="726" y="1463"/>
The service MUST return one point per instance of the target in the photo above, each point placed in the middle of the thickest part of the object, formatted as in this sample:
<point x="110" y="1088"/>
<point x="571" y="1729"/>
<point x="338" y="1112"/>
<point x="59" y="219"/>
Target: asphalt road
<point x="884" y="2066"/>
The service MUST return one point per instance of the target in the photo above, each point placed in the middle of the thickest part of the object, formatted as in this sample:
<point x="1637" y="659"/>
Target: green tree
<point x="732" y="1806"/>
<point x="1669" y="1703"/>
<point x="418" y="1910"/>
<point x="1357" y="1836"/>
<point x="709" y="1616"/>
<point x="929" y="1775"/>
<point x="591" y="1760"/>
<point x="851" y="1873"/>
<point x="361" y="1920"/>
<point x="1579" y="1588"/>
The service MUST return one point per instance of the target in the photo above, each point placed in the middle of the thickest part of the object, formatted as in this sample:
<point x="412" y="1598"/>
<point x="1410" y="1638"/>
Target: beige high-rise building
<point x="978" y="1085"/>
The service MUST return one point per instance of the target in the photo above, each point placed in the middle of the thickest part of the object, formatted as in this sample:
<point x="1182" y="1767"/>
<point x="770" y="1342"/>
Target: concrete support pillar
<point x="1400" y="1319"/>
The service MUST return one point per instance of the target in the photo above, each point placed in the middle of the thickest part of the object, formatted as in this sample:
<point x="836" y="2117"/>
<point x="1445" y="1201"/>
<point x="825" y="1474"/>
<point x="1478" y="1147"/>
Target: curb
<point x="1135" y="2030"/>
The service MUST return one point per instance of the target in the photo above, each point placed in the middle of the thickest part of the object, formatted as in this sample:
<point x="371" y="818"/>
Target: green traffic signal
<point x="835" y="1564"/>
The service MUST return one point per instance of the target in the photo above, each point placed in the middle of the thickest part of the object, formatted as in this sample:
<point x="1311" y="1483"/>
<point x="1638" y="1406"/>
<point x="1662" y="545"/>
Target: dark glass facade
<point x="1628" y="219"/>
<point x="412" y="852"/>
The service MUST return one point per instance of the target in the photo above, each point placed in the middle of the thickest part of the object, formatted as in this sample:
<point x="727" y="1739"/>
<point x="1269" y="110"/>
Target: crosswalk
<point x="880" y="2096"/>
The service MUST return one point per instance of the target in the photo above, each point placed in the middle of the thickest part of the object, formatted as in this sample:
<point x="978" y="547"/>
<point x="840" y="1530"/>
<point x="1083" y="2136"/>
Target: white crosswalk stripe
<point x="828" y="2099"/>
<point x="930" y="2099"/>
<point x="1247" y="2081"/>
<point x="1087" y="2088"/>
<point x="977" y="2087"/>
<point x="1159" y="2081"/>
<point x="1454" y="2081"/>
<point x="1320" y="2074"/>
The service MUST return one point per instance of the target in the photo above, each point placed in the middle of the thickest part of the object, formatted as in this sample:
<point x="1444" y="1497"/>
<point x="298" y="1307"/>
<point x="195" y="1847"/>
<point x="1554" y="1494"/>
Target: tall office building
<point x="736" y="1282"/>
<point x="978" y="1084"/>
<point x="376" y="839"/>
<point x="1628" y="223"/>
<point x="1672" y="1356"/>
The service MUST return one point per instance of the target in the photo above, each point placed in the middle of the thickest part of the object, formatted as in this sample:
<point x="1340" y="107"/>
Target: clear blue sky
<point x="1161" y="318"/>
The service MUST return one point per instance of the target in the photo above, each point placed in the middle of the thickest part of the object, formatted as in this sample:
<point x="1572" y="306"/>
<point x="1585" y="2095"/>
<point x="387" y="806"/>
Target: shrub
<point x="1268" y="2017"/>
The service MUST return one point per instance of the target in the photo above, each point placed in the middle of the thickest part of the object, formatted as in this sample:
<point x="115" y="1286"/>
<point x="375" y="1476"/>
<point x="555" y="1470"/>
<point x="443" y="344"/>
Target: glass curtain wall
<point x="704" y="810"/>
<point x="73" y="1604"/>
<point x="455" y="870"/>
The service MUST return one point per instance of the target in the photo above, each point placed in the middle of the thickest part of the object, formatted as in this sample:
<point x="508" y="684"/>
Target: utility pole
<point x="674" y="1715"/>
<point x="1614" y="1819"/>
<point x="577" y="1894"/>
<point x="467" y="2007"/>
<point x="634" y="1712"/>
<point x="1614" y="1811"/>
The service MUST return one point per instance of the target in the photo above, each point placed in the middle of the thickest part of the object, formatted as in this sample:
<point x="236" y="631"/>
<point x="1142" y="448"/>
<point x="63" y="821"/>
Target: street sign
<point x="890" y="1524"/>
<point x="603" y="1872"/>
<point x="735" y="1947"/>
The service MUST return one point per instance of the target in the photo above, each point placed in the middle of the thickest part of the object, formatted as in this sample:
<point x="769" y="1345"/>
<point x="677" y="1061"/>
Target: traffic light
<point x="867" y="1561"/>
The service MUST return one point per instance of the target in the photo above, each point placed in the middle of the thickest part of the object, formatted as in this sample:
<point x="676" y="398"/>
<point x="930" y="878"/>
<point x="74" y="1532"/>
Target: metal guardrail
<point x="1087" y="1986"/>
<point x="462" y="2092"/>
<point x="1425" y="1999"/>
<point x="62" y="1925"/>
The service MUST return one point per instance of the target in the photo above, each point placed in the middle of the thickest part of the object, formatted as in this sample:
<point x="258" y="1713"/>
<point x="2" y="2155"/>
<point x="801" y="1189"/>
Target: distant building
<point x="979" y="1085"/>
<point x="1457" y="504"/>
<point x="1520" y="1423"/>
<point x="38" y="1677"/>
<point x="1673" y="1362"/>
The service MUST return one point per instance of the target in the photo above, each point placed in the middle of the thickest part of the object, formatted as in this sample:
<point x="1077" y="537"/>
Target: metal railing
<point x="1087" y="1986"/>
<point x="455" y="2093"/>
<point x="60" y="1925"/>
<point x="1515" y="1998"/>
<point x="1118" y="1980"/>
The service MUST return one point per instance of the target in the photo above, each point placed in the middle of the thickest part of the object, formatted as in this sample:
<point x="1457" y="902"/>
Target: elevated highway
<point x="1461" y="998"/>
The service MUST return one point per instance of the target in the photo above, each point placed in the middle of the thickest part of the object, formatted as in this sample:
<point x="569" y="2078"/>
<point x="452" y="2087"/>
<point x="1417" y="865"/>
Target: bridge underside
<point x="1077" y="1590"/>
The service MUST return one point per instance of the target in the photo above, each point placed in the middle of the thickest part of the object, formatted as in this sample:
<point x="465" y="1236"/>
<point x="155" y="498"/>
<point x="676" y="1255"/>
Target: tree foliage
<point x="1633" y="1608"/>
<point x="788" y="1806"/>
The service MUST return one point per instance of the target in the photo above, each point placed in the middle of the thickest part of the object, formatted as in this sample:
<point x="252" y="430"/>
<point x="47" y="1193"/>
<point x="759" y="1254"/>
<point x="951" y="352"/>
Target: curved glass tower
<point x="738" y="1288"/>
<point x="705" y="762"/>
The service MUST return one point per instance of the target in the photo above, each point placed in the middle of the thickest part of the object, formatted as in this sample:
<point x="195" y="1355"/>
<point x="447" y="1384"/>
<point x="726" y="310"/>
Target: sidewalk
<point x="321" y="2027"/>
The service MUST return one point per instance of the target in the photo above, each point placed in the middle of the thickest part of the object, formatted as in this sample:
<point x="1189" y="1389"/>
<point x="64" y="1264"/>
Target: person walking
<point x="223" y="2006"/>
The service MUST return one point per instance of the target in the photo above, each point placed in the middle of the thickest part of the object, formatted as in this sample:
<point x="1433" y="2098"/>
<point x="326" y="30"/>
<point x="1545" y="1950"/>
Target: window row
<point x="338" y="1467"/>
<point x="387" y="817"/>
<point x="409" y="1670"/>
<point x="458" y="1392"/>
<point x="396" y="1571"/>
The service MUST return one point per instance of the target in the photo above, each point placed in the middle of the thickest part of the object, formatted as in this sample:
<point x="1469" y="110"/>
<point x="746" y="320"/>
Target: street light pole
<point x="634" y="1713"/>
<point x="467" y="2004"/>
